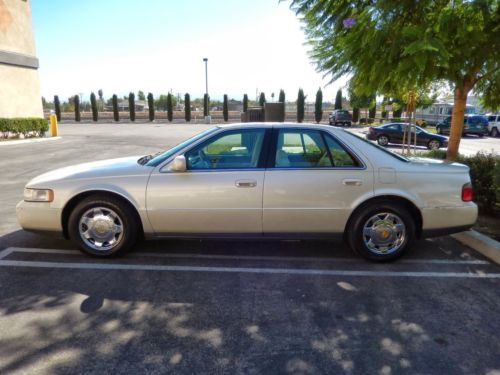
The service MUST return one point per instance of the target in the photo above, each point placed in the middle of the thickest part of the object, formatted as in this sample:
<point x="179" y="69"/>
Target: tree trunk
<point x="457" y="122"/>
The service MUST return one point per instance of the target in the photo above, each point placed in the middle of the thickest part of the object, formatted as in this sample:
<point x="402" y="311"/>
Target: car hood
<point x="99" y="169"/>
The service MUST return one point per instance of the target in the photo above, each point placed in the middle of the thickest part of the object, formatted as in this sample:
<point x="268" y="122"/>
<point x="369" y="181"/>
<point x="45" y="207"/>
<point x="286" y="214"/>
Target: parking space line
<point x="253" y="257"/>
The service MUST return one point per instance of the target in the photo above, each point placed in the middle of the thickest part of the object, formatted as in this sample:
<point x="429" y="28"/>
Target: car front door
<point x="312" y="183"/>
<point x="219" y="193"/>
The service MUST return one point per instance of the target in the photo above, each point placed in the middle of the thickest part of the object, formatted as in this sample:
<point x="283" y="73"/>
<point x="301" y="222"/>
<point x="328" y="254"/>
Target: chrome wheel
<point x="434" y="145"/>
<point x="383" y="140"/>
<point x="101" y="228"/>
<point x="384" y="233"/>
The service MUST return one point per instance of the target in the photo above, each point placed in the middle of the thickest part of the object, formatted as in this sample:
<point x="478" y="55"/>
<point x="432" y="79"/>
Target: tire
<point x="331" y="122"/>
<point x="494" y="132"/>
<point x="480" y="135"/>
<point x="434" y="145"/>
<point x="117" y="226"/>
<point x="383" y="140"/>
<point x="392" y="220"/>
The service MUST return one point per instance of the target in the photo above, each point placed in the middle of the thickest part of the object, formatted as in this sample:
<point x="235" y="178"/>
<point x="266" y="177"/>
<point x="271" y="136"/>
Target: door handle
<point x="246" y="183"/>
<point x="352" y="182"/>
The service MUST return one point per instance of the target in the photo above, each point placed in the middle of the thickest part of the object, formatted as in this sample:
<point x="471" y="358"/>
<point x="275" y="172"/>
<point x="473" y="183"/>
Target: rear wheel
<point x="433" y="145"/>
<point x="383" y="140"/>
<point x="103" y="226"/>
<point x="381" y="232"/>
<point x="494" y="132"/>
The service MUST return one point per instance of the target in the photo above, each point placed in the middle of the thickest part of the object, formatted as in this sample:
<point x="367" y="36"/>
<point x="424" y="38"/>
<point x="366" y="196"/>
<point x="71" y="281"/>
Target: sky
<point x="158" y="46"/>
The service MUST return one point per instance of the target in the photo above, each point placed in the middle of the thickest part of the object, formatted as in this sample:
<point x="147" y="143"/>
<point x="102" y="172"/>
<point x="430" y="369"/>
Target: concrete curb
<point x="34" y="140"/>
<point x="481" y="243"/>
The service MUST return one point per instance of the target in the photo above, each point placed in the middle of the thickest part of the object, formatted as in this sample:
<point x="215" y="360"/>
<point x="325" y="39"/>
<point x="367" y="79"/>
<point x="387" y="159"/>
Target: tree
<point x="93" y="104"/>
<point x="245" y="103"/>
<point x="170" y="108"/>
<point x="101" y="98"/>
<point x="76" y="101"/>
<point x="131" y="106"/>
<point x="140" y="95"/>
<point x="206" y="104"/>
<point x="372" y="110"/>
<point x="338" y="100"/>
<point x="225" y="109"/>
<point x="355" y="114"/>
<point x="262" y="99"/>
<point x="416" y="43"/>
<point x="318" y="106"/>
<point x="281" y="97"/>
<point x="151" y="107"/>
<point x="116" y="113"/>
<point x="57" y="107"/>
<point x="301" y="101"/>
<point x="187" y="108"/>
<point x="360" y="101"/>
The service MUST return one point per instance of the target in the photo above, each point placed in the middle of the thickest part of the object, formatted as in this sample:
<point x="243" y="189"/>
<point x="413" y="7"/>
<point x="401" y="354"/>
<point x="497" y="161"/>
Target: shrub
<point x="245" y="103"/>
<point x="57" y="107"/>
<point x="187" y="108"/>
<point x="170" y="108"/>
<point x="318" y="106"/>
<point x="29" y="126"/>
<point x="77" y="108"/>
<point x="93" y="104"/>
<point x="116" y="114"/>
<point x="151" y="107"/>
<point x="225" y="109"/>
<point x="131" y="106"/>
<point x="301" y="99"/>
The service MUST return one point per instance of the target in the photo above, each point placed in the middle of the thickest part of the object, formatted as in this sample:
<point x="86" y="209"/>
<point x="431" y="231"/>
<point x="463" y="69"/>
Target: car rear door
<point x="312" y="183"/>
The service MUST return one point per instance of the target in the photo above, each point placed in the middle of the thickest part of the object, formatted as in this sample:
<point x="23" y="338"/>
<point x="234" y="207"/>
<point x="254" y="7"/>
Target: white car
<point x="255" y="180"/>
<point x="493" y="125"/>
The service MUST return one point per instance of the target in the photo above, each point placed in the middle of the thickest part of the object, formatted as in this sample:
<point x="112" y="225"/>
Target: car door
<point x="312" y="183"/>
<point x="219" y="193"/>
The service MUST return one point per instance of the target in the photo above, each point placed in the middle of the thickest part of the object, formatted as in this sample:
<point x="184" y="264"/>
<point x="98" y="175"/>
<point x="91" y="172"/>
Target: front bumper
<point x="39" y="217"/>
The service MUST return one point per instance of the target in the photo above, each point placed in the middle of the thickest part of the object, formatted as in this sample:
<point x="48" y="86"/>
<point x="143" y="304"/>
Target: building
<point x="19" y="82"/>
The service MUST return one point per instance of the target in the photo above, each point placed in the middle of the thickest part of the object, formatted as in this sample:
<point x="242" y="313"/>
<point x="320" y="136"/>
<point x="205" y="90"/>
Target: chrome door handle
<point x="352" y="182"/>
<point x="245" y="183"/>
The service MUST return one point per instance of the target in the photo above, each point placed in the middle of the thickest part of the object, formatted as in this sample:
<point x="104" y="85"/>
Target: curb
<point x="481" y="243"/>
<point x="22" y="141"/>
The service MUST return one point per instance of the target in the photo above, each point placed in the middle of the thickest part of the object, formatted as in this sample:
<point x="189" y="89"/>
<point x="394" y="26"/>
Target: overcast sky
<point x="159" y="45"/>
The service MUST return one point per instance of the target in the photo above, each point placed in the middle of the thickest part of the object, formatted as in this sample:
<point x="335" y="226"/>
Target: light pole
<point x="207" y="118"/>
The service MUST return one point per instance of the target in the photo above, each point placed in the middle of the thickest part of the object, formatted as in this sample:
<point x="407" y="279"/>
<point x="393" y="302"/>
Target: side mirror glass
<point x="178" y="164"/>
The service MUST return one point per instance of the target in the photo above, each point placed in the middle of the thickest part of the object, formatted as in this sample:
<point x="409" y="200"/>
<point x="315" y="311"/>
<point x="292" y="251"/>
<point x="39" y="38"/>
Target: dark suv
<point x="473" y="124"/>
<point x="340" y="117"/>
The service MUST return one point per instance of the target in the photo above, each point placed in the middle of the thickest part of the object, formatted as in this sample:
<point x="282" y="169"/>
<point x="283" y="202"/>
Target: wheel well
<point x="79" y="197"/>
<point x="393" y="199"/>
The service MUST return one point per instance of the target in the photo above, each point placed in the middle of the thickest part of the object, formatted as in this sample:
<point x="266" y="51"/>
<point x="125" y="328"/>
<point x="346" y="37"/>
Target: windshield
<point x="383" y="149"/>
<point x="161" y="157"/>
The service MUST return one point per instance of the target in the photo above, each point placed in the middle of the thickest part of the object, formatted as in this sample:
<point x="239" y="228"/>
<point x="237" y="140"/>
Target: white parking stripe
<point x="252" y="257"/>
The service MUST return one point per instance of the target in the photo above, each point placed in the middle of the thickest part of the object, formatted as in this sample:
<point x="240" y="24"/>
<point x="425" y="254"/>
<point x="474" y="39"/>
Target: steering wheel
<point x="199" y="160"/>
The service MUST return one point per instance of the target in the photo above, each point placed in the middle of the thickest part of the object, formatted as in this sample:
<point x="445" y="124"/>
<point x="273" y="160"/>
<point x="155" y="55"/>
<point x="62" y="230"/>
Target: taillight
<point x="467" y="193"/>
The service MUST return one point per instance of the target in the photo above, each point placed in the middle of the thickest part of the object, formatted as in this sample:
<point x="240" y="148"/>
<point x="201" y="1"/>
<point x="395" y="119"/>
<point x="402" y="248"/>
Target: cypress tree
<point x="205" y="105"/>
<point x="187" y="108"/>
<point x="318" y="106"/>
<point x="245" y="103"/>
<point x="170" y="108"/>
<point x="151" y="107"/>
<point x="355" y="114"/>
<point x="262" y="99"/>
<point x="77" y="108"/>
<point x="281" y="97"/>
<point x="93" y="104"/>
<point x="116" y="114"/>
<point x="225" y="109"/>
<point x="131" y="106"/>
<point x="338" y="100"/>
<point x="300" y="105"/>
<point x="57" y="107"/>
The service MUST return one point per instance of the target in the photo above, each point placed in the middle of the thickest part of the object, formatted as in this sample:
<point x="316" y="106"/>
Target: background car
<point x="494" y="125"/>
<point x="340" y="117"/>
<point x="255" y="180"/>
<point x="394" y="132"/>
<point x="473" y="124"/>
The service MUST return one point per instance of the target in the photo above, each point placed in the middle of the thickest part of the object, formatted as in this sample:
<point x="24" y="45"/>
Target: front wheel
<point x="102" y="226"/>
<point x="433" y="145"/>
<point x="383" y="140"/>
<point x="382" y="232"/>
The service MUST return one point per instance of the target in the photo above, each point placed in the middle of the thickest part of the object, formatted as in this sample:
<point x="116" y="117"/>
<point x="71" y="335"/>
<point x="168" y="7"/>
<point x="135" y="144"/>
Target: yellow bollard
<point x="53" y="125"/>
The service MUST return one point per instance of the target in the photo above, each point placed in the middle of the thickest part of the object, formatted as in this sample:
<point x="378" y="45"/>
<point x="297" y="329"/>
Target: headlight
<point x="38" y="195"/>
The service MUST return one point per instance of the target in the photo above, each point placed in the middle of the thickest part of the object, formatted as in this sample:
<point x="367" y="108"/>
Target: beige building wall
<point x="19" y="82"/>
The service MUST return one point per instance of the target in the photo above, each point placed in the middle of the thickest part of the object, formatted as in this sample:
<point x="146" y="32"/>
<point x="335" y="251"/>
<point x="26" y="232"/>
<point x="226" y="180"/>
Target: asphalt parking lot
<point x="249" y="307"/>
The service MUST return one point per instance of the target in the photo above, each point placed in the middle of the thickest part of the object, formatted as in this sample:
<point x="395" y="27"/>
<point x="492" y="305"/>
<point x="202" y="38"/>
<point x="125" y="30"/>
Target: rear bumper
<point x="39" y="217"/>
<point x="446" y="220"/>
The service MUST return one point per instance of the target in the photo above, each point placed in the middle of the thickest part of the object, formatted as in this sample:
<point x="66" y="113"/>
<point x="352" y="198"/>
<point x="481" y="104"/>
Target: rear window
<point x="383" y="149"/>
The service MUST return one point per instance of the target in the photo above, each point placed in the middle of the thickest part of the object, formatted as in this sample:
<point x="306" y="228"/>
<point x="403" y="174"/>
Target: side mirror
<point x="178" y="164"/>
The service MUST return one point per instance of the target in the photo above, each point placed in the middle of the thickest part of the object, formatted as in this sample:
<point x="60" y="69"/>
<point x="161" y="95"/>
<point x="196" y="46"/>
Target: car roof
<point x="243" y="125"/>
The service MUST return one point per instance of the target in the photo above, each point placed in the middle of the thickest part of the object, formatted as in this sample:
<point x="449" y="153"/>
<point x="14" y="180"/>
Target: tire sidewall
<point x="380" y="143"/>
<point x="355" y="230"/>
<point x="129" y="226"/>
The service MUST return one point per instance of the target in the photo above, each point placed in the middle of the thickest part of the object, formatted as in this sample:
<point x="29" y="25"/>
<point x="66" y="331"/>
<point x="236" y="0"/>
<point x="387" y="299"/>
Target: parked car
<point x="473" y="124"/>
<point x="494" y="125"/>
<point x="340" y="117"/>
<point x="394" y="132"/>
<point x="255" y="180"/>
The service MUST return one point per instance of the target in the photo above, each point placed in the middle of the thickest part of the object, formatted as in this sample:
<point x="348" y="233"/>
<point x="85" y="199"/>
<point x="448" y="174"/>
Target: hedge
<point x="485" y="177"/>
<point x="30" y="126"/>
